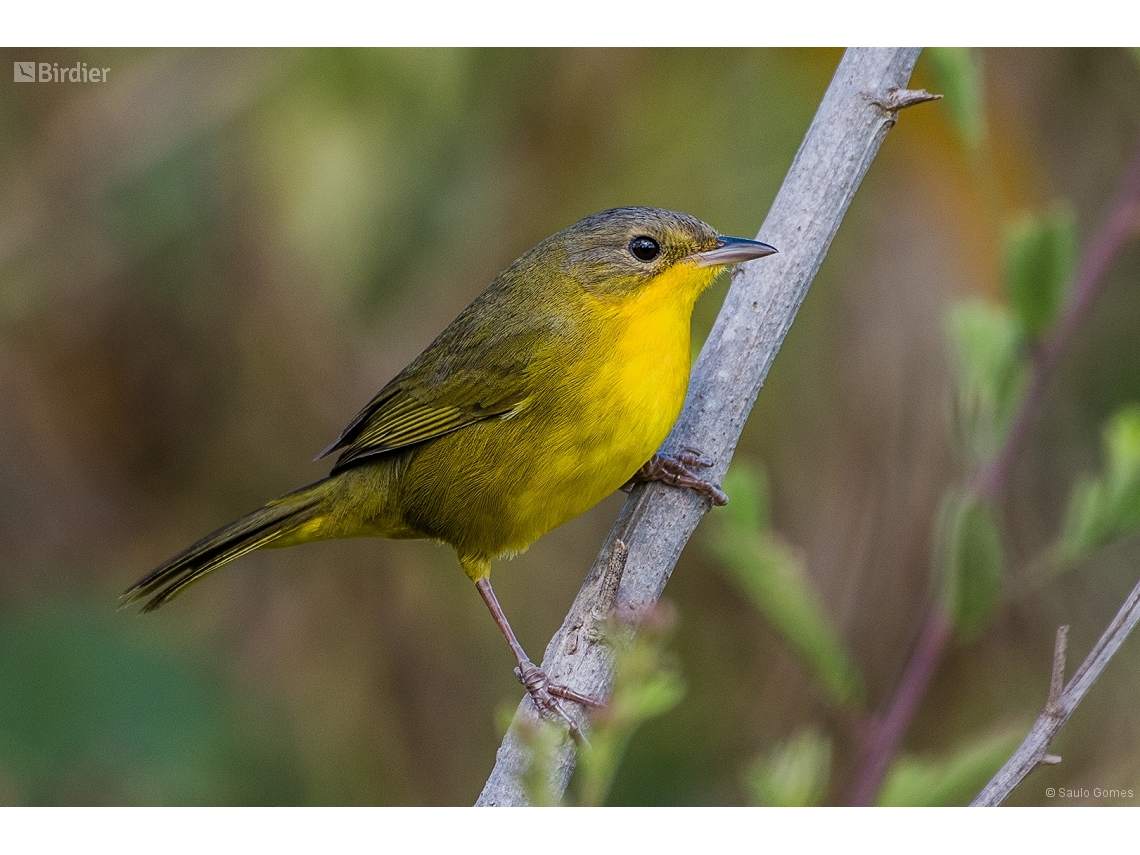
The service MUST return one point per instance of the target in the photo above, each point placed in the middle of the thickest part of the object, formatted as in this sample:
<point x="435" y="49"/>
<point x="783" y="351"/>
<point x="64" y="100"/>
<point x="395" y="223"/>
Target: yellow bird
<point x="554" y="388"/>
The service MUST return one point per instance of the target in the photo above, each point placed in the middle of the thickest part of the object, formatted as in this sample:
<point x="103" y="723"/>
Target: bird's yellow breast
<point x="508" y="481"/>
<point x="641" y="388"/>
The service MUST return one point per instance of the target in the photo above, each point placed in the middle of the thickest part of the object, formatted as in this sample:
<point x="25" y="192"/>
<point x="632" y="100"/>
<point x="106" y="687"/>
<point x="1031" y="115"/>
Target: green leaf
<point x="958" y="74"/>
<point x="991" y="373"/>
<point x="949" y="780"/>
<point x="1083" y="529"/>
<point x="968" y="551"/>
<point x="1103" y="509"/>
<point x="1122" y="446"/>
<point x="1040" y="256"/>
<point x="796" y="774"/>
<point x="774" y="578"/>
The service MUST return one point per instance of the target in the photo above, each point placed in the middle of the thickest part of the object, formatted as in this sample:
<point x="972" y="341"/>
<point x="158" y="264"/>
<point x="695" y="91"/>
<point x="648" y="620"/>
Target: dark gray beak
<point x="732" y="250"/>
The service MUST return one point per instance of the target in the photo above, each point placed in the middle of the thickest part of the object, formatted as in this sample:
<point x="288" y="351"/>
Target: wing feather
<point x="438" y="394"/>
<point x="487" y="364"/>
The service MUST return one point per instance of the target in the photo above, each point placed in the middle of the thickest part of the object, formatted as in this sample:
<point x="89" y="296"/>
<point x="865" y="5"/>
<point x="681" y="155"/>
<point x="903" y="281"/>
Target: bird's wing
<point x="398" y="418"/>
<point x="444" y="390"/>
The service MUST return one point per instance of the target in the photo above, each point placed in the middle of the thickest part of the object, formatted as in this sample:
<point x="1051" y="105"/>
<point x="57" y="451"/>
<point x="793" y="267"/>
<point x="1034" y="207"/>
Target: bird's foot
<point x="676" y="468"/>
<point x="546" y="694"/>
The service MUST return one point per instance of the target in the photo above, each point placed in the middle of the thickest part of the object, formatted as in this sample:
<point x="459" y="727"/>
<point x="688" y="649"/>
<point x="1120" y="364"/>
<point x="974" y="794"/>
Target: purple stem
<point x="992" y="479"/>
<point x="1122" y="222"/>
<point x="919" y="672"/>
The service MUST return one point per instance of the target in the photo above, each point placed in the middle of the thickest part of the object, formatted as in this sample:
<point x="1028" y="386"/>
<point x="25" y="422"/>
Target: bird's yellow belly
<point x="560" y="455"/>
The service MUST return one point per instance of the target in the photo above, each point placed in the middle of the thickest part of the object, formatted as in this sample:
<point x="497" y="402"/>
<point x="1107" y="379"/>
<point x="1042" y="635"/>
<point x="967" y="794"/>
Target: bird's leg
<point x="544" y="693"/>
<point x="676" y="468"/>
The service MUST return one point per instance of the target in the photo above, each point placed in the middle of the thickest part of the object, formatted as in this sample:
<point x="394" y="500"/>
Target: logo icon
<point x="24" y="72"/>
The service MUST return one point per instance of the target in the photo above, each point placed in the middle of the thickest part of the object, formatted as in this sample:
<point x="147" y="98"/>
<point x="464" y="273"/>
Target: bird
<point x="555" y="387"/>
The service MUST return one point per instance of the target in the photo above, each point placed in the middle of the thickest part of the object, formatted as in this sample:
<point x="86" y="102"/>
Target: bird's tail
<point x="288" y="515"/>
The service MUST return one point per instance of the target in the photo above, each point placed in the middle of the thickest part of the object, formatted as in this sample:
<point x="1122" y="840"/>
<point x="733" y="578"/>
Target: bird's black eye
<point x="644" y="248"/>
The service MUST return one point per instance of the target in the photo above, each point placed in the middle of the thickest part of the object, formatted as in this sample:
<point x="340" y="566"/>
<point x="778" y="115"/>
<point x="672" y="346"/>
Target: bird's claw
<point x="676" y="468"/>
<point x="691" y="458"/>
<point x="545" y="695"/>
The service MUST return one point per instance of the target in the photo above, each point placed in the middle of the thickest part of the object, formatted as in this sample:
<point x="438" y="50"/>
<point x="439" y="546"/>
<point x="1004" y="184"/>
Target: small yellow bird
<point x="550" y="391"/>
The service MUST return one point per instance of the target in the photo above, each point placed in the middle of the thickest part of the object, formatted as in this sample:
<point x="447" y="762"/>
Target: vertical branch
<point x="860" y="106"/>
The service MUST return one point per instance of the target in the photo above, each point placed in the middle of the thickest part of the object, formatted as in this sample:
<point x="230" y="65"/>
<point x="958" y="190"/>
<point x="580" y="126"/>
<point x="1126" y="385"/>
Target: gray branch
<point x="860" y="106"/>
<point x="1061" y="704"/>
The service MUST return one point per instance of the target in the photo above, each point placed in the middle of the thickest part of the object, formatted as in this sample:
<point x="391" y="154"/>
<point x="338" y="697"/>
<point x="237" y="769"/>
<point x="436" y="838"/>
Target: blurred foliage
<point x="1040" y="258"/>
<point x="950" y="780"/>
<point x="208" y="264"/>
<point x="1106" y="507"/>
<point x="991" y="375"/>
<point x="538" y="778"/>
<point x="958" y="77"/>
<point x="995" y="352"/>
<point x="968" y="558"/>
<point x="93" y="716"/>
<point x="647" y="684"/>
<point x="774" y="578"/>
<point x="795" y="775"/>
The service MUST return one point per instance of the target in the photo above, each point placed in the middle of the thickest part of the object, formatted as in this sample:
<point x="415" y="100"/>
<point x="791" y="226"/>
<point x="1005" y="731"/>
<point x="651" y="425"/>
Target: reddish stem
<point x="992" y="479"/>
<point x="886" y="736"/>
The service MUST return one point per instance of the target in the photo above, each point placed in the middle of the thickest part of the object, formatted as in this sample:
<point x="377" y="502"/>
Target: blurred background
<point x="210" y="262"/>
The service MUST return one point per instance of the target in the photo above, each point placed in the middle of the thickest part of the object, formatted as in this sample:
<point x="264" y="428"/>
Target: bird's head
<point x="620" y="252"/>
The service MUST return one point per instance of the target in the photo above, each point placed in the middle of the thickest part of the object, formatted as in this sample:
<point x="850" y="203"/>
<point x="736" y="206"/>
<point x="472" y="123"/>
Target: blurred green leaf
<point x="647" y="684"/>
<point x="950" y="780"/>
<point x="968" y="551"/>
<point x="1040" y="256"/>
<point x="773" y="577"/>
<point x="1083" y="528"/>
<point x="987" y="346"/>
<point x="796" y="774"/>
<point x="958" y="75"/>
<point x="1106" y="507"/>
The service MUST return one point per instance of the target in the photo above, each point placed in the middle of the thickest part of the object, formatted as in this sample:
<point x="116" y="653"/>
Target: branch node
<point x="1049" y="760"/>
<point x="900" y="99"/>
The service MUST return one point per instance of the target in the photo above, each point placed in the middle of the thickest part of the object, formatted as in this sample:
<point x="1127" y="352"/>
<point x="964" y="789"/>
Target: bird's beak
<point x="732" y="250"/>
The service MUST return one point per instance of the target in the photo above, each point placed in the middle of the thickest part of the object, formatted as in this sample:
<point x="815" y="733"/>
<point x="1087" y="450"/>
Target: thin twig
<point x="656" y="520"/>
<point x="1034" y="749"/>
<point x="1057" y="681"/>
<point x="992" y="479"/>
